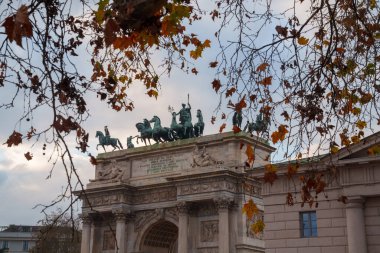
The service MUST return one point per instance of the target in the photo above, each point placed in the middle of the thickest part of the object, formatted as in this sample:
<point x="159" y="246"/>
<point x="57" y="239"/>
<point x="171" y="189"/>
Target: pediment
<point x="367" y="149"/>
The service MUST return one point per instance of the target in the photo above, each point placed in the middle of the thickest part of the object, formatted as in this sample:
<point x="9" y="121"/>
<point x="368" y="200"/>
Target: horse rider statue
<point x="107" y="134"/>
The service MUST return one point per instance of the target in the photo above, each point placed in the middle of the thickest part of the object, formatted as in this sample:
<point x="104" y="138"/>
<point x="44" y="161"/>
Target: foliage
<point x="312" y="68"/>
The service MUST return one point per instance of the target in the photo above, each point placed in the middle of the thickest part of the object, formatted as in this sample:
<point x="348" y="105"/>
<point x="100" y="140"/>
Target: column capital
<point x="355" y="202"/>
<point x="86" y="218"/>
<point x="224" y="203"/>
<point x="182" y="207"/>
<point x="121" y="213"/>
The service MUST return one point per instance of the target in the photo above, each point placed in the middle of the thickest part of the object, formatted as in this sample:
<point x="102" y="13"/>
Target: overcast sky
<point x="23" y="183"/>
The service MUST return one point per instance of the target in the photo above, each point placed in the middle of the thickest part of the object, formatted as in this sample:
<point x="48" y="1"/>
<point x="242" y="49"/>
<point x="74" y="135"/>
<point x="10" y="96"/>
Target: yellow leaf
<point x="361" y="124"/>
<point x="152" y="93"/>
<point x="303" y="41"/>
<point x="258" y="226"/>
<point x="334" y="149"/>
<point x="250" y="153"/>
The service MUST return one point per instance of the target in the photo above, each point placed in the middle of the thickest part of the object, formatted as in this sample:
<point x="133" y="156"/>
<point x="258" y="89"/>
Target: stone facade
<point x="351" y="227"/>
<point x="183" y="196"/>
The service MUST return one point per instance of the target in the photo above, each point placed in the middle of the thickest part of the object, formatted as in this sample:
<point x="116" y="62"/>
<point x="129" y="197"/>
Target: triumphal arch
<point x="184" y="196"/>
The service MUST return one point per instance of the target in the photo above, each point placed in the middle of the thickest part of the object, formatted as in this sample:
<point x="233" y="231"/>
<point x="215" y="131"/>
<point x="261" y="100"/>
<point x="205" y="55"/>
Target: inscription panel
<point x="160" y="164"/>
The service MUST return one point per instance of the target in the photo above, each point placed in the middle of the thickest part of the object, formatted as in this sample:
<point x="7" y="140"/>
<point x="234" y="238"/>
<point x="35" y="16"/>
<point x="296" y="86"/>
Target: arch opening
<point x="161" y="237"/>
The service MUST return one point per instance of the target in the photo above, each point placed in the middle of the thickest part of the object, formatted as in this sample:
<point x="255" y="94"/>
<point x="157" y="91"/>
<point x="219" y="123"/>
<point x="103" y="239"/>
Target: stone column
<point x="86" y="234"/>
<point x="223" y="206"/>
<point x="356" y="235"/>
<point x="120" y="218"/>
<point x="183" y="227"/>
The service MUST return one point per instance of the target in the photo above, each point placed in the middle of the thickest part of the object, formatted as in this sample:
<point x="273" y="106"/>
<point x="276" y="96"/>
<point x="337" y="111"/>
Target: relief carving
<point x="200" y="188"/>
<point x="153" y="196"/>
<point x="209" y="231"/>
<point x="201" y="158"/>
<point x="113" y="172"/>
<point x="143" y="217"/>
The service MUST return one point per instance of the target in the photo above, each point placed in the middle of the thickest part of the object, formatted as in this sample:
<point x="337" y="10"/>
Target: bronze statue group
<point x="177" y="131"/>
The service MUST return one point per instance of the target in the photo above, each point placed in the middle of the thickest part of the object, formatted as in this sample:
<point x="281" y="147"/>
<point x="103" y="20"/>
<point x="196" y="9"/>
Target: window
<point x="5" y="244"/>
<point x="25" y="245"/>
<point x="308" y="224"/>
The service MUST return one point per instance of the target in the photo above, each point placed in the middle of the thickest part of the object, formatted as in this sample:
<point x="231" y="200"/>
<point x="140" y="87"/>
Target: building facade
<point x="184" y="196"/>
<point x="18" y="238"/>
<point x="345" y="218"/>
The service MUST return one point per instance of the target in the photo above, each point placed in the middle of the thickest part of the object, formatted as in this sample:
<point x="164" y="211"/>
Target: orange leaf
<point x="280" y="134"/>
<point x="242" y="104"/>
<point x="14" y="139"/>
<point x="303" y="41"/>
<point x="236" y="129"/>
<point x="270" y="174"/>
<point x="262" y="67"/>
<point x="222" y="127"/>
<point x="250" y="209"/>
<point x="250" y="153"/>
<point x="93" y="160"/>
<point x="266" y="81"/>
<point x="361" y="124"/>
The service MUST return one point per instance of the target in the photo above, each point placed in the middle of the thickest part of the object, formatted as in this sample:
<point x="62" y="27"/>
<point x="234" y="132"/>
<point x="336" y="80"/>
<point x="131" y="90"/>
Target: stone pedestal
<point x="356" y="235"/>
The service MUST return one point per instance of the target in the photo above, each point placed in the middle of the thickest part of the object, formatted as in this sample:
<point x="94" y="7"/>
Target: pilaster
<point x="223" y="205"/>
<point x="356" y="235"/>
<point x="183" y="227"/>
<point x="86" y="233"/>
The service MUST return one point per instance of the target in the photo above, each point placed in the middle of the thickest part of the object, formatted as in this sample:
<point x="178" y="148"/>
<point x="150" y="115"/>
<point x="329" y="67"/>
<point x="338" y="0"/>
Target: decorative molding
<point x="154" y="196"/>
<point x="207" y="209"/>
<point x="209" y="231"/>
<point x="224" y="203"/>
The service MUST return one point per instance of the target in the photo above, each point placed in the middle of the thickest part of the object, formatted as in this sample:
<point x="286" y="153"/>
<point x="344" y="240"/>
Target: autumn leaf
<point x="270" y="174"/>
<point x="258" y="226"/>
<point x="28" y="156"/>
<point x="216" y="85"/>
<point x="250" y="153"/>
<point x="303" y="41"/>
<point x="374" y="150"/>
<point x="242" y="104"/>
<point x="266" y="81"/>
<point x="110" y="31"/>
<point x="213" y="118"/>
<point x="213" y="64"/>
<point x="361" y="124"/>
<point x="292" y="170"/>
<point x="236" y="129"/>
<point x="241" y="145"/>
<point x="334" y="149"/>
<point x="93" y="160"/>
<point x="289" y="199"/>
<point x="222" y="127"/>
<point x="18" y="26"/>
<point x="230" y="92"/>
<point x="32" y="131"/>
<point x="280" y="134"/>
<point x="262" y="67"/>
<point x="250" y="209"/>
<point x="282" y="30"/>
<point x="14" y="139"/>
<point x="194" y="71"/>
<point x="152" y="93"/>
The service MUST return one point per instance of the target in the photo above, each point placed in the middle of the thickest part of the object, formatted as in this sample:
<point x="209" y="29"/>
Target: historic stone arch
<point x="185" y="196"/>
<point x="161" y="237"/>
